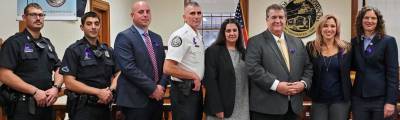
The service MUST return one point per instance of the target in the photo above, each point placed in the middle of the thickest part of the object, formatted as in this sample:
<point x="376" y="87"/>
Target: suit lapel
<point x="372" y="46"/>
<point x="271" y="42"/>
<point x="360" y="47"/>
<point x="137" y="39"/>
<point x="227" y="57"/>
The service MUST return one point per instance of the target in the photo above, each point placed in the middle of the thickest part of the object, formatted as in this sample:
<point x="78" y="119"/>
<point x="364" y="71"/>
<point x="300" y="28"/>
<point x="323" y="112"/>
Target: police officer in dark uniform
<point x="27" y="63"/>
<point x="89" y="73"/>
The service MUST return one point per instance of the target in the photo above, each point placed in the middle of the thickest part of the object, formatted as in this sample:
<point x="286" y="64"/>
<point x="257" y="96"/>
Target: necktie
<point x="284" y="51"/>
<point x="152" y="55"/>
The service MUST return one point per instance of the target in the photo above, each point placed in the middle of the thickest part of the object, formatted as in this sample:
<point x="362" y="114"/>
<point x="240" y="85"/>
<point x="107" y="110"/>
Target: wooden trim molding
<point x="354" y="10"/>
<point x="103" y="8"/>
<point x="245" y="11"/>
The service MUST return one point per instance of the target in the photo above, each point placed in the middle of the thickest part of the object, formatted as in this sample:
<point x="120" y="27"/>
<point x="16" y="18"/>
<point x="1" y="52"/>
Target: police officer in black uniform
<point x="27" y="63"/>
<point x="89" y="73"/>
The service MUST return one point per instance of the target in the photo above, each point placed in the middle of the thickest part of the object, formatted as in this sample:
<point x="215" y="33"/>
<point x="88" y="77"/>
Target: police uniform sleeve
<point x="177" y="48"/>
<point x="9" y="54"/>
<point x="69" y="63"/>
<point x="116" y="68"/>
<point x="57" y="59"/>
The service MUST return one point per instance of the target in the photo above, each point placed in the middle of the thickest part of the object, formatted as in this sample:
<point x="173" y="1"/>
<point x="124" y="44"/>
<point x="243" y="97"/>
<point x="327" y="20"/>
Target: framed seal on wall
<point x="302" y="16"/>
<point x="55" y="3"/>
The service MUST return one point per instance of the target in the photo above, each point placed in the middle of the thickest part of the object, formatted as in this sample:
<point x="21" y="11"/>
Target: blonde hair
<point x="318" y="43"/>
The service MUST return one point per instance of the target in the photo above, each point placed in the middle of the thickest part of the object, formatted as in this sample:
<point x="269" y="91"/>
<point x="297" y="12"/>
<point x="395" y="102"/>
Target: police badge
<point x="107" y="54"/>
<point x="176" y="41"/>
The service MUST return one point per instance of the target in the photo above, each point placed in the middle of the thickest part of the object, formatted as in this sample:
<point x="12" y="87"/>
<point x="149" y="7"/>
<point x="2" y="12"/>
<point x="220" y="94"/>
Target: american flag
<point x="239" y="18"/>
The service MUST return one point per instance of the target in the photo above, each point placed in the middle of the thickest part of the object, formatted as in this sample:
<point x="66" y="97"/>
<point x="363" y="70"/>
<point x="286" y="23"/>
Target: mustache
<point x="38" y="21"/>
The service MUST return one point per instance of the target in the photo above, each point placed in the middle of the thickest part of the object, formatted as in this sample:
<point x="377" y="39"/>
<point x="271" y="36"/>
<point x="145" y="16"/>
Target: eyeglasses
<point x="41" y="15"/>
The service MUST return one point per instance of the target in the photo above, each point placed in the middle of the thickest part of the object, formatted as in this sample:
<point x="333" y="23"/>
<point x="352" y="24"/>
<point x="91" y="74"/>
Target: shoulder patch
<point x="65" y="69"/>
<point x="176" y="41"/>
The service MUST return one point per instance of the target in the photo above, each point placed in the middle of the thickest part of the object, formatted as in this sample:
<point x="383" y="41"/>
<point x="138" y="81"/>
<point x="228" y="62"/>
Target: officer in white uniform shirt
<point x="185" y="63"/>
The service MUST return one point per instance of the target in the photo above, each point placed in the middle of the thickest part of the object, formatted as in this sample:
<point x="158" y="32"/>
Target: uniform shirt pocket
<point x="85" y="63"/>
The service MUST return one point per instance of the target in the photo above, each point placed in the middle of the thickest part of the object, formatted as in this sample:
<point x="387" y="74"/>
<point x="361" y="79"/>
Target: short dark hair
<point x="89" y="14"/>
<point x="192" y="3"/>
<point x="33" y="5"/>
<point x="380" y="26"/>
<point x="275" y="7"/>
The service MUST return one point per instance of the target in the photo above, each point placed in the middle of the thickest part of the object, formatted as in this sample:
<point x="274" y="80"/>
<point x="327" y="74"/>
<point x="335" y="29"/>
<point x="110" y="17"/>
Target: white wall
<point x="340" y="8"/>
<point x="218" y="6"/>
<point x="61" y="33"/>
<point x="119" y="17"/>
<point x="390" y="13"/>
<point x="8" y="24"/>
<point x="166" y="15"/>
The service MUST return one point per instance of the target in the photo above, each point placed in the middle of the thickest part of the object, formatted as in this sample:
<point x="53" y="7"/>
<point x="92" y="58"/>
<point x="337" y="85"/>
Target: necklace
<point x="327" y="63"/>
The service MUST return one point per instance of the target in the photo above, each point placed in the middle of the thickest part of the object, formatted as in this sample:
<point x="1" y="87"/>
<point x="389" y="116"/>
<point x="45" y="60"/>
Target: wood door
<point x="102" y="9"/>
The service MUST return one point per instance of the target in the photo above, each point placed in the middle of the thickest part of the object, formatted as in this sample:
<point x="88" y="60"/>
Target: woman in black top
<point x="330" y="91"/>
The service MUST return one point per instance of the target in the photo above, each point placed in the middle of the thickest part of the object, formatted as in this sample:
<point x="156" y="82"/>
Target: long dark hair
<point x="380" y="26"/>
<point x="221" y="39"/>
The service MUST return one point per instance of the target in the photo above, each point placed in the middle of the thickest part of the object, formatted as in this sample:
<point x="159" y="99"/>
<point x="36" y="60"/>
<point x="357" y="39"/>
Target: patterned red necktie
<point x="152" y="55"/>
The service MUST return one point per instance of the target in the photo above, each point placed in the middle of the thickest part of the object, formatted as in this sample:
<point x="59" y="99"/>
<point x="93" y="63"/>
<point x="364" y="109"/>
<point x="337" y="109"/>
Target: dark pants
<point x="92" y="112"/>
<point x="153" y="111"/>
<point x="22" y="113"/>
<point x="186" y="107"/>
<point x="289" y="115"/>
<point x="330" y="111"/>
<point x="368" y="108"/>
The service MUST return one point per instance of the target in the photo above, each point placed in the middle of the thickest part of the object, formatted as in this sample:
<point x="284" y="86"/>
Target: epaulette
<point x="77" y="43"/>
<point x="16" y="35"/>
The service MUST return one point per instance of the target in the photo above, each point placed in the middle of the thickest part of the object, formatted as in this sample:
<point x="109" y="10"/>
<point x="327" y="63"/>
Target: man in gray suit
<point x="279" y="70"/>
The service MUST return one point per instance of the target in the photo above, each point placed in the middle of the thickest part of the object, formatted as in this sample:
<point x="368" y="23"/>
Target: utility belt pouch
<point x="31" y="105"/>
<point x="82" y="101"/>
<point x="72" y="101"/>
<point x="8" y="100"/>
<point x="186" y="86"/>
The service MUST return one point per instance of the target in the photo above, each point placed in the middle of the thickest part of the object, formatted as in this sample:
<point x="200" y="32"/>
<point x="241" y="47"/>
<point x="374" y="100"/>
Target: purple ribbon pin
<point x="88" y="53"/>
<point x="369" y="50"/>
<point x="292" y="50"/>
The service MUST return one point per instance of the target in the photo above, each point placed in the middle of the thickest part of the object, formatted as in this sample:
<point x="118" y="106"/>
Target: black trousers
<point x="22" y="112"/>
<point x="153" y="111"/>
<point x="186" y="107"/>
<point x="368" y="108"/>
<point x="289" y="115"/>
<point x="92" y="112"/>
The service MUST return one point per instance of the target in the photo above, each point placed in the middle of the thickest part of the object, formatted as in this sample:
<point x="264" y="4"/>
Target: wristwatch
<point x="57" y="86"/>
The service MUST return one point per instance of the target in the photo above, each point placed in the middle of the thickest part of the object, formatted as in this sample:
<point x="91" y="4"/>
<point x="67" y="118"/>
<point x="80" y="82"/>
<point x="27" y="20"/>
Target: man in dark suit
<point x="140" y="55"/>
<point x="279" y="70"/>
<point x="375" y="61"/>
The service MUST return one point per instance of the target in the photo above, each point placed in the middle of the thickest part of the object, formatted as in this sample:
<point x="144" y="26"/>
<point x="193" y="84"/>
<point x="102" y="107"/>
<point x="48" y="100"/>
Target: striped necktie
<point x="152" y="55"/>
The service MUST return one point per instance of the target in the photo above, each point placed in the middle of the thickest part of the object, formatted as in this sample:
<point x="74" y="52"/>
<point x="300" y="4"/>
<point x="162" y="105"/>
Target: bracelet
<point x="57" y="86"/>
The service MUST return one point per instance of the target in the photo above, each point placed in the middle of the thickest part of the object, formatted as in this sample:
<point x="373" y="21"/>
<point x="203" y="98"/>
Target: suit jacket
<point x="220" y="81"/>
<point x="376" y="68"/>
<point x="344" y="71"/>
<point x="136" y="84"/>
<point x="266" y="64"/>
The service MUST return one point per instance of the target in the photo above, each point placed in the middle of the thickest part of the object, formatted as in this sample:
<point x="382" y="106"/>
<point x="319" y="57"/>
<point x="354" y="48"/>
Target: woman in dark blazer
<point x="375" y="60"/>
<point x="331" y="59"/>
<point x="225" y="75"/>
